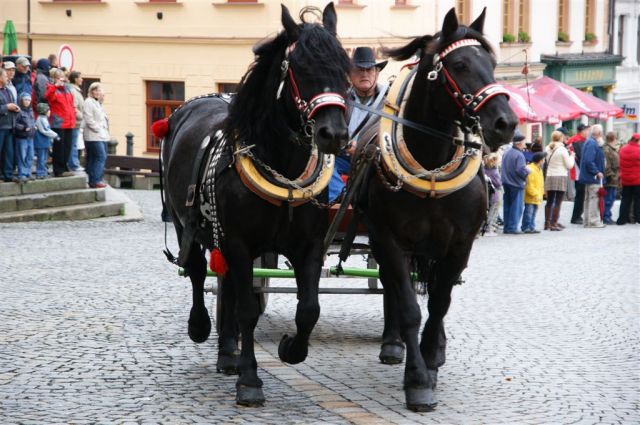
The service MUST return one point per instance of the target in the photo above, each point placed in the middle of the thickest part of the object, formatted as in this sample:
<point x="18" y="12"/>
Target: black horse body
<point x="252" y="226"/>
<point x="436" y="234"/>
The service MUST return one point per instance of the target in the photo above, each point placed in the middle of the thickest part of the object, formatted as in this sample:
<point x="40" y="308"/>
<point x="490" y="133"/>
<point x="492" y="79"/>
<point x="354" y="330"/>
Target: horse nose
<point x="334" y="136"/>
<point x="505" y="123"/>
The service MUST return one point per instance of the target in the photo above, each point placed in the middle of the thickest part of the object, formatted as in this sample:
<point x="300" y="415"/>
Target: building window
<point x="163" y="97"/>
<point x="345" y="1"/>
<point x="589" y="18"/>
<point x="462" y="10"/>
<point x="621" y="20"/>
<point x="507" y="28"/>
<point x="523" y="21"/>
<point x="228" y="87"/>
<point x="402" y="3"/>
<point x="563" y="17"/>
<point x="515" y="21"/>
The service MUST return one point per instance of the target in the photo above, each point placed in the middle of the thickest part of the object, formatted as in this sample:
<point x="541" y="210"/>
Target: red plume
<point x="217" y="263"/>
<point x="160" y="128"/>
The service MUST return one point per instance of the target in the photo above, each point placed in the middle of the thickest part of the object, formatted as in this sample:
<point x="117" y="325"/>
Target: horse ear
<point x="478" y="24"/>
<point x="290" y="26"/>
<point x="450" y="24"/>
<point x="330" y="19"/>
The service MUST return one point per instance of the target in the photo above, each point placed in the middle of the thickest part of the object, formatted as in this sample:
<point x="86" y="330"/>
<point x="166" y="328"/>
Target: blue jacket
<point x="24" y="121"/>
<point x="22" y="83"/>
<point x="591" y="163"/>
<point x="7" y="118"/>
<point x="514" y="168"/>
<point x="44" y="135"/>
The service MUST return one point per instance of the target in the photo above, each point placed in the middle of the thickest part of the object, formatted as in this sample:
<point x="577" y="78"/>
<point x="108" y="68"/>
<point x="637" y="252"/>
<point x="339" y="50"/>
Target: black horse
<point x="453" y="89"/>
<point x="292" y="98"/>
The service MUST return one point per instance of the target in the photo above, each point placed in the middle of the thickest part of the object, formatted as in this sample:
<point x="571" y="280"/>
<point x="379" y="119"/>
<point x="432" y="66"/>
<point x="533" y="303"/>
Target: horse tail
<point x="423" y="273"/>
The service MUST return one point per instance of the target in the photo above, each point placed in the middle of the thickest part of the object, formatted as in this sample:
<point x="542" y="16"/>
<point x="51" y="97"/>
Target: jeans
<point x="513" y="206"/>
<point x="609" y="199"/>
<point x="96" y="157"/>
<point x="529" y="217"/>
<point x="41" y="164"/>
<point x="342" y="166"/>
<point x="74" y="161"/>
<point x="7" y="154"/>
<point x="24" y="150"/>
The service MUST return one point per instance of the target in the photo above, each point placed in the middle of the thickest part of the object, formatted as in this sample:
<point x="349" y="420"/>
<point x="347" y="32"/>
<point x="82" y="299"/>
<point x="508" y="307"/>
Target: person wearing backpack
<point x="556" y="169"/>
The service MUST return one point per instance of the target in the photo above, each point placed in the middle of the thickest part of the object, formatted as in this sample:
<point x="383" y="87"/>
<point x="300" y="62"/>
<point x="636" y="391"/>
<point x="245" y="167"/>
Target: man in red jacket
<point x="630" y="180"/>
<point x="575" y="144"/>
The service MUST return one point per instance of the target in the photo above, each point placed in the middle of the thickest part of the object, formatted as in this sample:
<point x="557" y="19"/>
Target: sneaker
<point x="80" y="168"/>
<point x="609" y="221"/>
<point x="531" y="231"/>
<point x="98" y="185"/>
<point x="577" y="221"/>
<point x="67" y="174"/>
<point x="491" y="234"/>
<point x="595" y="226"/>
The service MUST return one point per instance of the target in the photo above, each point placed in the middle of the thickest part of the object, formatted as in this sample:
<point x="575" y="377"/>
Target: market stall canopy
<point x="531" y="108"/>
<point x="571" y="99"/>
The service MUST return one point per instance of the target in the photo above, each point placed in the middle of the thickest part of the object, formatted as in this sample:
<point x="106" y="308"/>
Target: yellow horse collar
<point x="275" y="188"/>
<point x="401" y="165"/>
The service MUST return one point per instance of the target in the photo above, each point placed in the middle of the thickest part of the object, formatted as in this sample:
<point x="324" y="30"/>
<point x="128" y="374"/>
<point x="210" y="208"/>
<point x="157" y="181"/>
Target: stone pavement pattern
<point x="93" y="329"/>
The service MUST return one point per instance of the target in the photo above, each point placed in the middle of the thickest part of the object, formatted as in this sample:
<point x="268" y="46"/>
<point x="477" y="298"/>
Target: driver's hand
<point x="350" y="149"/>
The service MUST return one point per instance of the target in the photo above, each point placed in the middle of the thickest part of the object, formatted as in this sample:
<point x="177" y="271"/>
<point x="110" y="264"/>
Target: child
<point x="493" y="179"/>
<point x="533" y="192"/>
<point x="43" y="139"/>
<point x="24" y="130"/>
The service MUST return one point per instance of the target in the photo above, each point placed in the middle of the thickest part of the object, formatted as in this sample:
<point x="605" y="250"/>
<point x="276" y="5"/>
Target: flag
<point x="10" y="39"/>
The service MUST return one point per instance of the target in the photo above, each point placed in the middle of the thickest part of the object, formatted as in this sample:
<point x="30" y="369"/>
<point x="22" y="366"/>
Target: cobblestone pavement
<point x="93" y="329"/>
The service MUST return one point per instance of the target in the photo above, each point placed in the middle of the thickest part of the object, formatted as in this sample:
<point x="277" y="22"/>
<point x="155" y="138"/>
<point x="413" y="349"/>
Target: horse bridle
<point x="306" y="109"/>
<point x="469" y="104"/>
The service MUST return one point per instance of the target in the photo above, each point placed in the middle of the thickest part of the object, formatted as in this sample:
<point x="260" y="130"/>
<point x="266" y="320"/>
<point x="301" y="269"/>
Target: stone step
<point x="69" y="212"/>
<point x="41" y="186"/>
<point x="51" y="199"/>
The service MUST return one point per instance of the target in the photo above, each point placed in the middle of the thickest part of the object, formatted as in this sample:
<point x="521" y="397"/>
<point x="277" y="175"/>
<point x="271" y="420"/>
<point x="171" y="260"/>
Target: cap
<point x="563" y="130"/>
<point x="582" y="127"/>
<point x="538" y="156"/>
<point x="23" y="61"/>
<point x="9" y="65"/>
<point x="518" y="136"/>
<point x="42" y="108"/>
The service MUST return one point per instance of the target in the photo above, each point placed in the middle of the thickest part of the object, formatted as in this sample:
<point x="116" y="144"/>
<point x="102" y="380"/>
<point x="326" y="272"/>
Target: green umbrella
<point x="10" y="44"/>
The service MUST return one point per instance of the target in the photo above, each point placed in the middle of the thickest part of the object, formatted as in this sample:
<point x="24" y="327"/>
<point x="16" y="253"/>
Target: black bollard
<point x="111" y="146"/>
<point x="129" y="137"/>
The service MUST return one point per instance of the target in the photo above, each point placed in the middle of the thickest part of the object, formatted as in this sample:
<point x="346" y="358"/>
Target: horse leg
<point x="307" y="266"/>
<point x="228" y="338"/>
<point x="196" y="268"/>
<point x="392" y="350"/>
<point x="434" y="341"/>
<point x="247" y="311"/>
<point x="394" y="275"/>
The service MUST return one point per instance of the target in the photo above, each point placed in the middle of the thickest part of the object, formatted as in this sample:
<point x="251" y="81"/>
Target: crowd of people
<point x="43" y="112"/>
<point x="589" y="161"/>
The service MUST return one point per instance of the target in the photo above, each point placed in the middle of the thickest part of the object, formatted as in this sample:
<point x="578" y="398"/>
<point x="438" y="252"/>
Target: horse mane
<point x="431" y="44"/>
<point x="255" y="114"/>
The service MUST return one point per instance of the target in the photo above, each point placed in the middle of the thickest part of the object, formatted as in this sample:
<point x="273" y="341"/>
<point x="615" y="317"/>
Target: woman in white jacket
<point x="559" y="162"/>
<point x="95" y="134"/>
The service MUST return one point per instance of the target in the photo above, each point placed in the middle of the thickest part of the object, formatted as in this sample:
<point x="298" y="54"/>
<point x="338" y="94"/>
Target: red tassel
<point x="160" y="128"/>
<point x="217" y="263"/>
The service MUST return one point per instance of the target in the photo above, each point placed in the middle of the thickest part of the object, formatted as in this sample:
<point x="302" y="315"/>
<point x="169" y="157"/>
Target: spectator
<point x="11" y="72"/>
<point x="365" y="90"/>
<point x="514" y="176"/>
<point x="591" y="175"/>
<point x="559" y="162"/>
<point x="24" y="130"/>
<point x="96" y="134"/>
<point x="41" y="82"/>
<point x="63" y="121"/>
<point x="53" y="60"/>
<point x="575" y="144"/>
<point x="42" y="140"/>
<point x="22" y="79"/>
<point x="75" y="84"/>
<point x="493" y="178"/>
<point x="630" y="180"/>
<point x="611" y="174"/>
<point x="533" y="193"/>
<point x="537" y="145"/>
<point x="8" y="110"/>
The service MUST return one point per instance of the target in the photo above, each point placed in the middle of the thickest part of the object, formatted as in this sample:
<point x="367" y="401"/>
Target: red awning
<point x="571" y="99"/>
<point x="531" y="108"/>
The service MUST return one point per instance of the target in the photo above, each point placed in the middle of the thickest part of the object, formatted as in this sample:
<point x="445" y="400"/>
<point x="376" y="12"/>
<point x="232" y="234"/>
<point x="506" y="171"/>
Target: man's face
<point x="363" y="79"/>
<point x="79" y="81"/>
<point x="11" y="72"/>
<point x="22" y="68"/>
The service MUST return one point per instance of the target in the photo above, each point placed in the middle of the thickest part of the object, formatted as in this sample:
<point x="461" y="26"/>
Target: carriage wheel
<point x="268" y="260"/>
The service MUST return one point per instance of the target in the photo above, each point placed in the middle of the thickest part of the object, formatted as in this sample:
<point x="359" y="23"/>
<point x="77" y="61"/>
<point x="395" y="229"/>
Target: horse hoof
<point x="420" y="399"/>
<point x="249" y="396"/>
<point x="288" y="353"/>
<point x="227" y="364"/>
<point x="201" y="333"/>
<point x="391" y="354"/>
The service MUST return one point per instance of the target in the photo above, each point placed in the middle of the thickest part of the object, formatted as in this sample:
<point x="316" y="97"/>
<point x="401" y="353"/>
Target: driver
<point x="364" y="90"/>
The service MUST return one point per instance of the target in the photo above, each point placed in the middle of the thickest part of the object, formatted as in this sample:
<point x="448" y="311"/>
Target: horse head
<point x="316" y="79"/>
<point x="456" y="72"/>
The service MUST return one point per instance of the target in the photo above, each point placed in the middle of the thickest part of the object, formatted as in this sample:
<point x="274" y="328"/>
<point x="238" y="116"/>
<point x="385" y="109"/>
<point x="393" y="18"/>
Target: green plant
<point x="523" y="37"/>
<point x="508" y="38"/>
<point x="590" y="37"/>
<point x="563" y="36"/>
